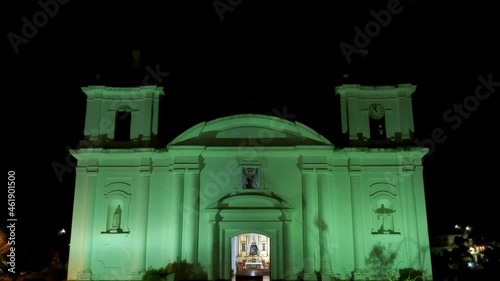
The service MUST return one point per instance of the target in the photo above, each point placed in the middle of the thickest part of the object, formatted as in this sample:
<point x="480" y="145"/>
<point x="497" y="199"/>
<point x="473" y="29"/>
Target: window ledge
<point x="115" y="232"/>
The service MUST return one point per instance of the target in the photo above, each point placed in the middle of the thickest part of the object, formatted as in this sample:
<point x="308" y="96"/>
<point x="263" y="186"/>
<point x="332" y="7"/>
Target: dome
<point x="250" y="130"/>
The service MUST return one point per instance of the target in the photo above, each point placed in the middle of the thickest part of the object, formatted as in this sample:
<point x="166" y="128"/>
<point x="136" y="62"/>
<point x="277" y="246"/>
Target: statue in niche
<point x="385" y="222"/>
<point x="250" y="178"/>
<point x="117" y="219"/>
<point x="254" y="250"/>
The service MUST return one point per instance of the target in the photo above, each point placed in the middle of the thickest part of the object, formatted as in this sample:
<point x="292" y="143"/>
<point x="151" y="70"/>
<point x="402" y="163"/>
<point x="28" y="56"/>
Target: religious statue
<point x="117" y="219"/>
<point x="384" y="219"/>
<point x="250" y="178"/>
<point x="254" y="250"/>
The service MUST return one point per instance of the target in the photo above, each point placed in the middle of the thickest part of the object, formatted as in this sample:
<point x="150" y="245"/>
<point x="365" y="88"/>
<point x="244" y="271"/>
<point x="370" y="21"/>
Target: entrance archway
<point x="244" y="213"/>
<point x="251" y="255"/>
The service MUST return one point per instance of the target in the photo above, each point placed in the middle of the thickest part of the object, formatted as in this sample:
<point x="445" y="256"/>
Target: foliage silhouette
<point x="183" y="271"/>
<point x="380" y="261"/>
<point x="154" y="274"/>
<point x="187" y="271"/>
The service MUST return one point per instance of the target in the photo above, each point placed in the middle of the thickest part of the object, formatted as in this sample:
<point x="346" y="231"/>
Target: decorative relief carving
<point x="113" y="256"/>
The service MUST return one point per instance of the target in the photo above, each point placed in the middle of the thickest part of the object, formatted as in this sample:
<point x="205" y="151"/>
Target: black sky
<point x="262" y="57"/>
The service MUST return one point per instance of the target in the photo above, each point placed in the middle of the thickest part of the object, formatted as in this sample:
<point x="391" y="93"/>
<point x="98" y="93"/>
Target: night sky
<point x="252" y="57"/>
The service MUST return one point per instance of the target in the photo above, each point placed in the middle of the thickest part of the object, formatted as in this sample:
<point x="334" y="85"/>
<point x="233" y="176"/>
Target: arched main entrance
<point x="268" y="219"/>
<point x="251" y="255"/>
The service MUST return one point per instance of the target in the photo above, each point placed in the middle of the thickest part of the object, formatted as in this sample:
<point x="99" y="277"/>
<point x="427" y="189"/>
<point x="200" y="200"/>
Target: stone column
<point x="190" y="212"/>
<point x="310" y="211"/>
<point x="174" y="215"/>
<point x="287" y="248"/>
<point x="324" y="226"/>
<point x="412" y="237"/>
<point x="357" y="217"/>
<point x="421" y="215"/>
<point x="216" y="265"/>
<point x="79" y="267"/>
<point x="141" y="220"/>
<point x="212" y="251"/>
<point x="93" y="118"/>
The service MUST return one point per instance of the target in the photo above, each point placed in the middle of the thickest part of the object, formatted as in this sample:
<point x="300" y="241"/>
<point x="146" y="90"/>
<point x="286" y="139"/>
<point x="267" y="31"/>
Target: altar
<point x="253" y="265"/>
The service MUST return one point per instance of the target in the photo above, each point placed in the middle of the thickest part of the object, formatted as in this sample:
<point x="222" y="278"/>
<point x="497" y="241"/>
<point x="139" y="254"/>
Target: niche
<point x="117" y="211"/>
<point x="383" y="202"/>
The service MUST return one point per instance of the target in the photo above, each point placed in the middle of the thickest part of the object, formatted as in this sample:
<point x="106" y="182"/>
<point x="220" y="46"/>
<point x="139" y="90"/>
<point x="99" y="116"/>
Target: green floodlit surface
<point x="244" y="179"/>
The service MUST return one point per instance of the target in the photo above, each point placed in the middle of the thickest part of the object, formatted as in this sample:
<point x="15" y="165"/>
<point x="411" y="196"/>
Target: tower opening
<point x="377" y="129"/>
<point x="123" y="121"/>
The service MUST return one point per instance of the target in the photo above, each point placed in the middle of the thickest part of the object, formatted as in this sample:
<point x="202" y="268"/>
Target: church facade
<point x="248" y="191"/>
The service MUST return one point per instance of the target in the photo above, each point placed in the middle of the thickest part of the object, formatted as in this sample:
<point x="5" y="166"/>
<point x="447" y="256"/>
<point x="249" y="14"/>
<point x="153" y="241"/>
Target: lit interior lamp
<point x="62" y="231"/>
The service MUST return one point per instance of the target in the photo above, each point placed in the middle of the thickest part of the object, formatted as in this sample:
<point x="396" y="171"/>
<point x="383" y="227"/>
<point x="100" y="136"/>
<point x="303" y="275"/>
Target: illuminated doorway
<point x="251" y="256"/>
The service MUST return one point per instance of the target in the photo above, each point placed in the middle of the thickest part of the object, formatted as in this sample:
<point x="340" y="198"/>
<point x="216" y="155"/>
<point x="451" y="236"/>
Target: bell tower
<point x="377" y="116"/>
<point x="121" y="117"/>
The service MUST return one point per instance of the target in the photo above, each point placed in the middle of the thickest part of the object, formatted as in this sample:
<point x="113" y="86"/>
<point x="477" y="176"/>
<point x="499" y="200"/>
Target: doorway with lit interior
<point x="251" y="257"/>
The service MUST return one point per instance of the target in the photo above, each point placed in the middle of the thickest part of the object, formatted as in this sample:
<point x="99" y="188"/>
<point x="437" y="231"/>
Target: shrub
<point x="410" y="274"/>
<point x="154" y="274"/>
<point x="187" y="271"/>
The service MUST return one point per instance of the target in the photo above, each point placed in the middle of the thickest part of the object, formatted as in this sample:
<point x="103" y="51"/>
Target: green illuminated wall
<point x="320" y="205"/>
